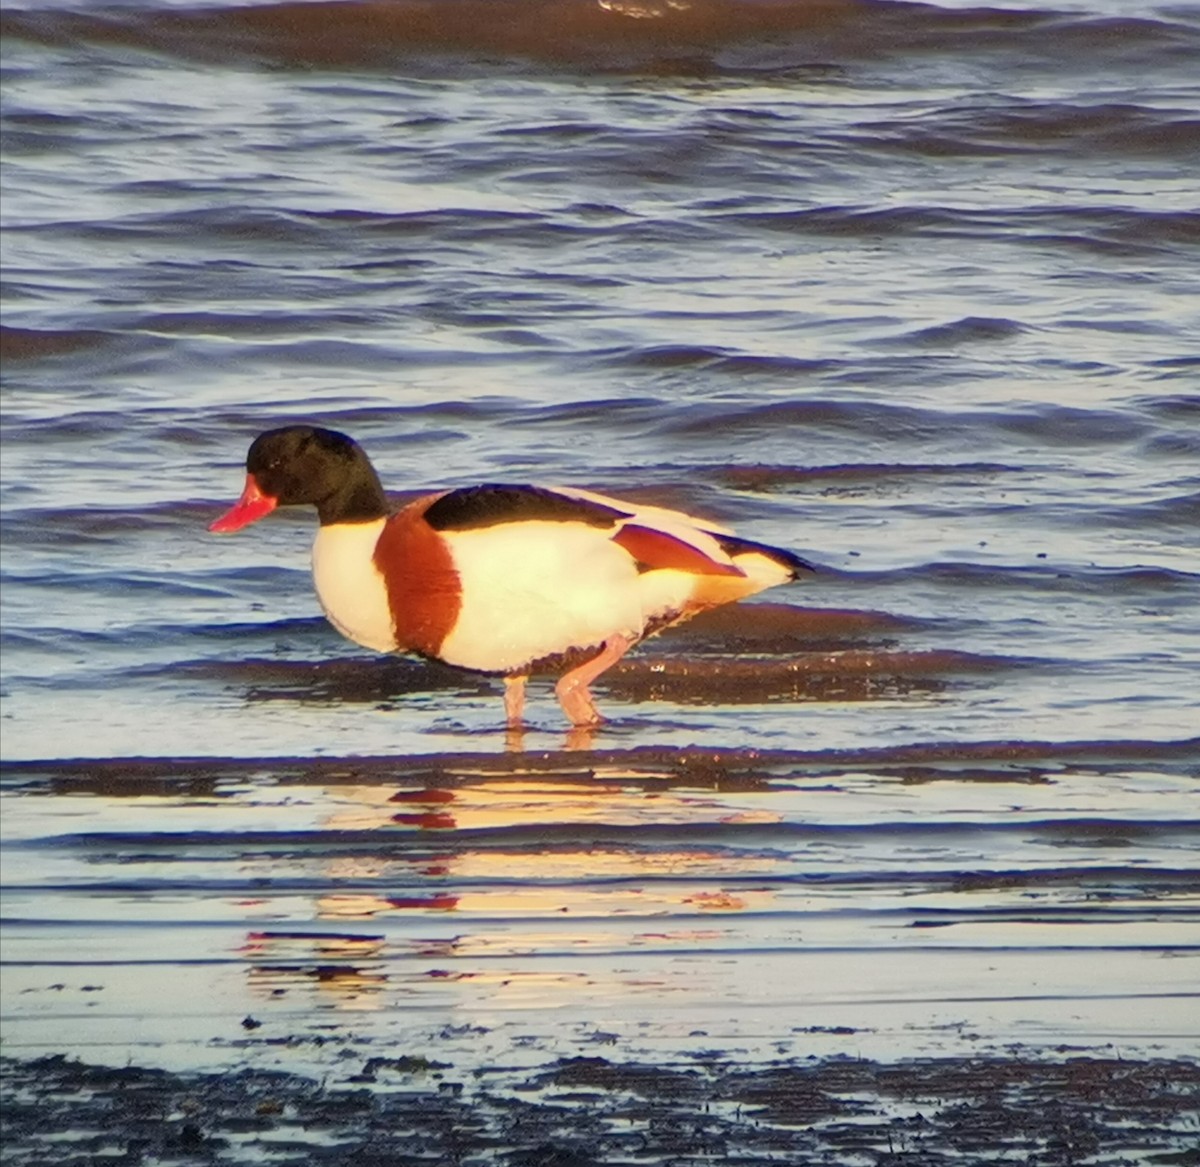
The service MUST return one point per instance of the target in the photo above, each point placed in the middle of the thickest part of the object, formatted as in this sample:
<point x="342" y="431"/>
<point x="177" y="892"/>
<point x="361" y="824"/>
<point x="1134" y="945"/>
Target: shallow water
<point x="530" y="905"/>
<point x="908" y="288"/>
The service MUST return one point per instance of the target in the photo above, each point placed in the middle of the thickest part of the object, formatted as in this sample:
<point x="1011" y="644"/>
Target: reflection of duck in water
<point x="499" y="579"/>
<point x="484" y="887"/>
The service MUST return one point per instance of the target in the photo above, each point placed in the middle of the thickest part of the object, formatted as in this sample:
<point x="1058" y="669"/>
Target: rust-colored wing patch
<point x="423" y="588"/>
<point x="657" y="549"/>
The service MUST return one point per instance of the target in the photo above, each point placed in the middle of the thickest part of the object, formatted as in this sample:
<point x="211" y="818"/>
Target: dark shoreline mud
<point x="1023" y="1106"/>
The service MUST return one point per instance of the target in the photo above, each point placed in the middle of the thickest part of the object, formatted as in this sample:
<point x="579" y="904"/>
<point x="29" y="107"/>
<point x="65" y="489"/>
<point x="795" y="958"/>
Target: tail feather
<point x="733" y="545"/>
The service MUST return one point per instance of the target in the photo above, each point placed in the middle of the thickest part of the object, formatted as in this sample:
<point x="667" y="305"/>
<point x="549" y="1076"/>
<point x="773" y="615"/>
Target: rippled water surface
<point x="910" y="289"/>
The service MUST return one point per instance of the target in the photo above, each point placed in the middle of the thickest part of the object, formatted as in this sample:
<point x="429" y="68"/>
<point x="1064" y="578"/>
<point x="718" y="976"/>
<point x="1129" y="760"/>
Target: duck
<point x="507" y="580"/>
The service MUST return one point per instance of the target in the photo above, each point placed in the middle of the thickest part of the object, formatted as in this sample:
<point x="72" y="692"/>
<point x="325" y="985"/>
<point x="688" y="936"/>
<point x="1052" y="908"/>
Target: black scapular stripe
<point x="733" y="545"/>
<point x="488" y="505"/>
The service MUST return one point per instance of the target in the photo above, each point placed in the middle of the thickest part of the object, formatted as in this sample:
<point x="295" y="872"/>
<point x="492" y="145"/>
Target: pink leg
<point x="572" y="688"/>
<point x="514" y="700"/>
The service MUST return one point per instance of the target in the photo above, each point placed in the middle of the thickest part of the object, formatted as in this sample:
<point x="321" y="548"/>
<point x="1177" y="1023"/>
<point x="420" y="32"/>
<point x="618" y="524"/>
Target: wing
<point x="657" y="538"/>
<point x="490" y="505"/>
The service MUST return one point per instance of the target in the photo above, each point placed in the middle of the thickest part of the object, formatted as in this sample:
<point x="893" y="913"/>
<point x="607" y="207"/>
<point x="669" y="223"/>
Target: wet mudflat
<point x="585" y="1111"/>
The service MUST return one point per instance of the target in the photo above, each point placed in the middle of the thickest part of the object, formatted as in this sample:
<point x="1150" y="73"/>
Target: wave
<point x="1050" y="424"/>
<point x="717" y="359"/>
<point x="1022" y="125"/>
<point x="683" y="37"/>
<point x="1090" y="579"/>
<point x="1178" y="512"/>
<point x="150" y="635"/>
<point x="27" y="344"/>
<point x="1009" y="759"/>
<point x="766" y="478"/>
<point x="210" y="424"/>
<point x="968" y="330"/>
<point x="805" y="857"/>
<point x="1113" y="230"/>
<point x="1161" y="882"/>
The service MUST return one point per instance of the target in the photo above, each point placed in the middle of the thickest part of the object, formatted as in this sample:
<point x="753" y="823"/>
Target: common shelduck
<point x="498" y="579"/>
